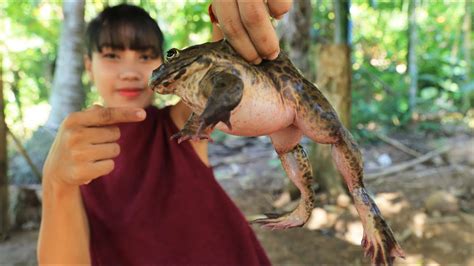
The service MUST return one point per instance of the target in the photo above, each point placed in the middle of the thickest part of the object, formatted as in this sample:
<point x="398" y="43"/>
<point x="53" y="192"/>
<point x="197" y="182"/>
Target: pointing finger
<point x="108" y="116"/>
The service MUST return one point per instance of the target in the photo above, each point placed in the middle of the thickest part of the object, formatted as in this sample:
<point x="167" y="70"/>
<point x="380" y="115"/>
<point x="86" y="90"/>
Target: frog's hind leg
<point x="323" y="126"/>
<point x="297" y="167"/>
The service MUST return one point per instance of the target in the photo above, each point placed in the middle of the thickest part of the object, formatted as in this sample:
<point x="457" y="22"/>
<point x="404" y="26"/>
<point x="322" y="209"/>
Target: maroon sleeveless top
<point x="162" y="205"/>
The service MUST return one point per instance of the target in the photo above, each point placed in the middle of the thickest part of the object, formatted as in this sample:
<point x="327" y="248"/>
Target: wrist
<point x="57" y="189"/>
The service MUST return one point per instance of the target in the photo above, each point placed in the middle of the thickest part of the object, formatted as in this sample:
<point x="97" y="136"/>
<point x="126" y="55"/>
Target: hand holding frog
<point x="247" y="26"/>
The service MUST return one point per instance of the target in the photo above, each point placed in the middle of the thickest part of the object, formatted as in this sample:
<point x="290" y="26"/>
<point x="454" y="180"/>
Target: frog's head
<point x="187" y="66"/>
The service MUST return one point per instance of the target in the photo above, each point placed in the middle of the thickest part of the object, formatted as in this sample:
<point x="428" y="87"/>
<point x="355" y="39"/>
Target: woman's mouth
<point x="130" y="92"/>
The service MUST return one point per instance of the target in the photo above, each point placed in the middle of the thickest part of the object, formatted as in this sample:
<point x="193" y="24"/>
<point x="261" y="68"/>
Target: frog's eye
<point x="172" y="54"/>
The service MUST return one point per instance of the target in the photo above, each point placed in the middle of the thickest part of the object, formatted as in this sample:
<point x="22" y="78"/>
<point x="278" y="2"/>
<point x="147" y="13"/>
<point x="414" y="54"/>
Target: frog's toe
<point x="184" y="136"/>
<point x="380" y="245"/>
<point x="275" y="221"/>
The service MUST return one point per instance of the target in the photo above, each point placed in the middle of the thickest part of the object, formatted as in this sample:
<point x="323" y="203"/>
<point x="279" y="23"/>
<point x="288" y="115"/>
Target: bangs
<point x="125" y="31"/>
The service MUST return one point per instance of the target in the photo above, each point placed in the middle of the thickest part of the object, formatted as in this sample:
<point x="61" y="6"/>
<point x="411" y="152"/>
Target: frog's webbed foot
<point x="226" y="94"/>
<point x="191" y="131"/>
<point x="378" y="242"/>
<point x="296" y="218"/>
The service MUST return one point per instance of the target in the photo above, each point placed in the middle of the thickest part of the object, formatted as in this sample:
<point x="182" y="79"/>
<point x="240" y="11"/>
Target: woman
<point x="115" y="189"/>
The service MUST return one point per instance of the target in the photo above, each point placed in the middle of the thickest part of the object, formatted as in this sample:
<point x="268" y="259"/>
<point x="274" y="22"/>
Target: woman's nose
<point x="129" y="74"/>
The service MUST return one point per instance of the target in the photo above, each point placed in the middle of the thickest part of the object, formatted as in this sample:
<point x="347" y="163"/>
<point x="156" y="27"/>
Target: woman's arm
<point x="64" y="233"/>
<point x="82" y="151"/>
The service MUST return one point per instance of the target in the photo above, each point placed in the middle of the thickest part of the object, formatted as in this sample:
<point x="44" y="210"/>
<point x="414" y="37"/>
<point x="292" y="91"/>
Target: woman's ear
<point x="88" y="66"/>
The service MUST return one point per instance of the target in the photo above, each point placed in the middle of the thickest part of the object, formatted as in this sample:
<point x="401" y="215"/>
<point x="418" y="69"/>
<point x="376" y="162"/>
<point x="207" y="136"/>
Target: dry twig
<point x="405" y="165"/>
<point x="25" y="155"/>
<point x="397" y="144"/>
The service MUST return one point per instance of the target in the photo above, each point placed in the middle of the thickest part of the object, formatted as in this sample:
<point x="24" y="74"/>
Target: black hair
<point x="124" y="27"/>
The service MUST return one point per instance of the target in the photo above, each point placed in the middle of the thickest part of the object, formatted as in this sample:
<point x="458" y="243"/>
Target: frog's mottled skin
<point x="273" y="99"/>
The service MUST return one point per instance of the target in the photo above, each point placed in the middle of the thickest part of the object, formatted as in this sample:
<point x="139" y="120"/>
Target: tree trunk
<point x="334" y="80"/>
<point x="67" y="94"/>
<point x="412" y="43"/>
<point x="467" y="49"/>
<point x="294" y="30"/>
<point x="4" y="218"/>
<point x="467" y="45"/>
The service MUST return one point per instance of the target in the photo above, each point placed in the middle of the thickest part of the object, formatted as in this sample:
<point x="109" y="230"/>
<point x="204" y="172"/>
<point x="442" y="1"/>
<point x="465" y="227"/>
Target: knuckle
<point x="78" y="156"/>
<point x="72" y="141"/>
<point x="106" y="115"/>
<point x="75" y="136"/>
<point x="254" y="18"/>
<point x="231" y="28"/>
<point x="70" y="120"/>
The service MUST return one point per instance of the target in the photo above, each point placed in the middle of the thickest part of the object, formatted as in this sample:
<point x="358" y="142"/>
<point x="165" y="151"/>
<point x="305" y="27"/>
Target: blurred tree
<point x="67" y="94"/>
<point x="295" y="35"/>
<point x="467" y="48"/>
<point x="333" y="72"/>
<point x="412" y="44"/>
<point x="4" y="203"/>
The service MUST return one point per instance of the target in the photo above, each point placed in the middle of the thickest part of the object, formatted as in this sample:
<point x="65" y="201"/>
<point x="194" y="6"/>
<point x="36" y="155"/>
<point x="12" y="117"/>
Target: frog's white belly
<point x="262" y="111"/>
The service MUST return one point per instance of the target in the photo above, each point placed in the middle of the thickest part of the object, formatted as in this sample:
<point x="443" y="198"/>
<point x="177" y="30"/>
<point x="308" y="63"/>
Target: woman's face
<point x="121" y="76"/>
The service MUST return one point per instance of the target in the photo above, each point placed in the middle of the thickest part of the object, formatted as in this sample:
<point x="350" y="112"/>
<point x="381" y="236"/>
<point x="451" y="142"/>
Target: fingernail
<point x="273" y="56"/>
<point x="140" y="114"/>
<point x="257" y="61"/>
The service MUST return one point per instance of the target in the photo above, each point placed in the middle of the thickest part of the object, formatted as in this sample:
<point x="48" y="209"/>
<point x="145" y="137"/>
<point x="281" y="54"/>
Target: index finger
<point x="109" y="116"/>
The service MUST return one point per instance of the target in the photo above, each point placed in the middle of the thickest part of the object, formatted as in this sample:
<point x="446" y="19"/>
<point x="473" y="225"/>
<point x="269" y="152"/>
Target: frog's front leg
<point x="226" y="90"/>
<point x="190" y="130"/>
<point x="297" y="167"/>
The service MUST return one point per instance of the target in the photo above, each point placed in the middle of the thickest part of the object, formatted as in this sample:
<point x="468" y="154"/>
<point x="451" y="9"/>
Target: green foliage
<point x="30" y="35"/>
<point x="29" y="42"/>
<point x="380" y="83"/>
<point x="28" y="28"/>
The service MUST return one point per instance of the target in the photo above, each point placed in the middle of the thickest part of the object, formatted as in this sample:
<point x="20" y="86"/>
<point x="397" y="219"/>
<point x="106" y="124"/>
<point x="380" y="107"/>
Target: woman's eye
<point x="110" y="55"/>
<point x="145" y="57"/>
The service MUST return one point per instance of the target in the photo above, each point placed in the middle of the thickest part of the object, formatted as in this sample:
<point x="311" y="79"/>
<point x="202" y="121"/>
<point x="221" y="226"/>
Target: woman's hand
<point x="246" y="25"/>
<point x="85" y="145"/>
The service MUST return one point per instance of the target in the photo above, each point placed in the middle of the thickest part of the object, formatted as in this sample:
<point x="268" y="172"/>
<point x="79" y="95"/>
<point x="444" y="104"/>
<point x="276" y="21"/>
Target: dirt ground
<point x="429" y="206"/>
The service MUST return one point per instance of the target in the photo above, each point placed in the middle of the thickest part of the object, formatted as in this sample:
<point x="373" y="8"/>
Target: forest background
<point x="403" y="67"/>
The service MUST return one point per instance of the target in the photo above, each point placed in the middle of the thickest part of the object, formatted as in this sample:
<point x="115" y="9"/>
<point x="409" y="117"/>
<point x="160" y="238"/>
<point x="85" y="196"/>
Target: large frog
<point x="274" y="99"/>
